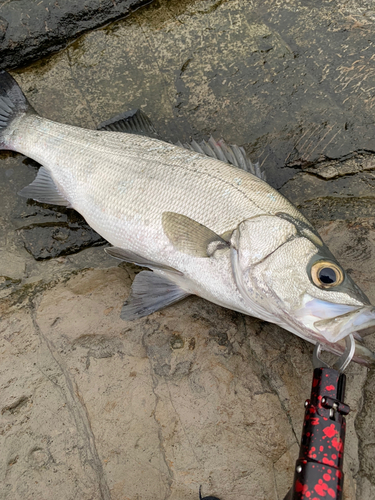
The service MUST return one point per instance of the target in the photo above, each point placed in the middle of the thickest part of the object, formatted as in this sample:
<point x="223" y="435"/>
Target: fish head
<point x="287" y="275"/>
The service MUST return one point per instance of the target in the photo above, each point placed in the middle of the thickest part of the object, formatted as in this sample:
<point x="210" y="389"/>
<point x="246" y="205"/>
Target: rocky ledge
<point x="31" y="30"/>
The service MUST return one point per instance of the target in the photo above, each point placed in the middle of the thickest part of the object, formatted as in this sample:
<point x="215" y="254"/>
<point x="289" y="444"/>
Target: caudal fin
<point x="13" y="103"/>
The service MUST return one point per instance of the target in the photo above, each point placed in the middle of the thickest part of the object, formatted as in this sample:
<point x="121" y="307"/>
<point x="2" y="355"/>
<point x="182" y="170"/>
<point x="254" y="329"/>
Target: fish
<point x="199" y="225"/>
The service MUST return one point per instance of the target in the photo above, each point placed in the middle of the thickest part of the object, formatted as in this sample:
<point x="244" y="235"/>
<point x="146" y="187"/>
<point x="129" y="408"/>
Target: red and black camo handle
<point x="318" y="474"/>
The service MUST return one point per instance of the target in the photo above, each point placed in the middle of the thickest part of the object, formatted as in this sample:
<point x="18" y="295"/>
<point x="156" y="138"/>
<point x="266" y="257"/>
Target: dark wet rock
<point x="337" y="189"/>
<point x="46" y="231"/>
<point x="339" y="168"/>
<point x="336" y="207"/>
<point x="45" y="241"/>
<point x="30" y="30"/>
<point x="3" y="28"/>
<point x="291" y="103"/>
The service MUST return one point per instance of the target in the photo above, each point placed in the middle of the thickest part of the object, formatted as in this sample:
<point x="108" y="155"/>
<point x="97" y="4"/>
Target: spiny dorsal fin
<point x="149" y="293"/>
<point x="137" y="122"/>
<point x="234" y="155"/>
<point x="131" y="122"/>
<point x="189" y="236"/>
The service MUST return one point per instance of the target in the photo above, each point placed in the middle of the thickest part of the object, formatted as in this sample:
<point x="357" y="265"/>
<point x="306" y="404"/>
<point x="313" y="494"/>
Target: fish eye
<point x="326" y="274"/>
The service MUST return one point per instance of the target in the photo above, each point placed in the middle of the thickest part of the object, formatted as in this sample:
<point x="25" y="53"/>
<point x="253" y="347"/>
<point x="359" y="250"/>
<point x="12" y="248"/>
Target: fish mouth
<point x="335" y="321"/>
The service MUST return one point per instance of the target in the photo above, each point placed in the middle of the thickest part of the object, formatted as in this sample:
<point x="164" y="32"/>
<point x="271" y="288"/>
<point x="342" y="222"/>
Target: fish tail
<point x="13" y="104"/>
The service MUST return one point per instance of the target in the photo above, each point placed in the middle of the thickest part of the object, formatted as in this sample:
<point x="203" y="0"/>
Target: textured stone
<point x="30" y="30"/>
<point x="96" y="408"/>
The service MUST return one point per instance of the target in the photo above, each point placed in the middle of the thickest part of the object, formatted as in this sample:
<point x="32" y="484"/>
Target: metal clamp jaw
<point x="318" y="472"/>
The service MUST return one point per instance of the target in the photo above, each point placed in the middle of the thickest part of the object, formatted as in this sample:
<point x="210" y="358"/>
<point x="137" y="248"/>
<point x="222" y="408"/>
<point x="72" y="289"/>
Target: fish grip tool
<point x="319" y="468"/>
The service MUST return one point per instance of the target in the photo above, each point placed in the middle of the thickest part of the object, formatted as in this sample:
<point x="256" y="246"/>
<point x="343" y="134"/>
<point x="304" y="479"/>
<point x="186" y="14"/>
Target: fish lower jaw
<point x="329" y="321"/>
<point x="337" y="328"/>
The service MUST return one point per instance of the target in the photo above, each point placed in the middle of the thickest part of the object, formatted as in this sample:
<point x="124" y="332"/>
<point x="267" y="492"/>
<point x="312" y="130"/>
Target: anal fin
<point x="44" y="190"/>
<point x="149" y="293"/>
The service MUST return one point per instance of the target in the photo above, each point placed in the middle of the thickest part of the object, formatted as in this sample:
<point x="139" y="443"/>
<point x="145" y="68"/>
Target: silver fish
<point x="200" y="225"/>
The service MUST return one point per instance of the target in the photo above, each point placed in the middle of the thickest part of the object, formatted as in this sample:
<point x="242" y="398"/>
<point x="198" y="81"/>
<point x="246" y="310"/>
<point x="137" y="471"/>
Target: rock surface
<point x="96" y="408"/>
<point x="31" y="30"/>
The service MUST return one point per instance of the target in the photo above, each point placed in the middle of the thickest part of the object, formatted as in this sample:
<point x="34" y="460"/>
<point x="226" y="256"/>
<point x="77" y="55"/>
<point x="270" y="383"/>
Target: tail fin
<point x="13" y="103"/>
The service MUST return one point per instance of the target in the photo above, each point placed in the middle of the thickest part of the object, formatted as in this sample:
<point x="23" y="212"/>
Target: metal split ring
<point x="342" y="361"/>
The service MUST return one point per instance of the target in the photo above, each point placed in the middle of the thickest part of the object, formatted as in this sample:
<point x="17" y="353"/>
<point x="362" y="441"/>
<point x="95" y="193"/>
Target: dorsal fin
<point x="137" y="122"/>
<point x="134" y="121"/>
<point x="234" y="155"/>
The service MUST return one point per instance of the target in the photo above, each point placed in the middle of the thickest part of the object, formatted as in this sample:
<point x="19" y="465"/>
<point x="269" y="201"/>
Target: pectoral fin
<point x="128" y="256"/>
<point x="44" y="190"/>
<point x="191" y="237"/>
<point x="150" y="293"/>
